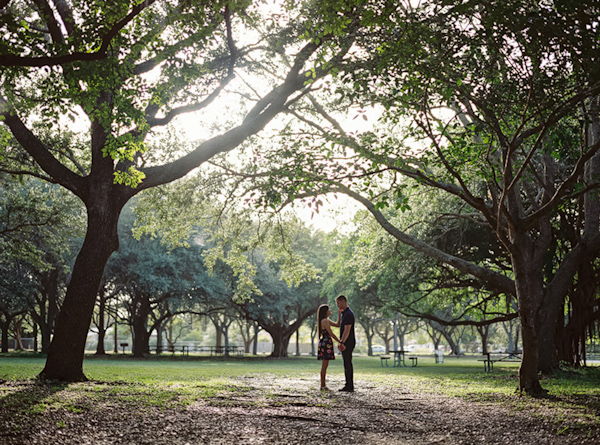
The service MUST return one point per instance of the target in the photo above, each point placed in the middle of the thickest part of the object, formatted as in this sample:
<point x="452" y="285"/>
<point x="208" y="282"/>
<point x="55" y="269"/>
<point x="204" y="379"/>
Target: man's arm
<point x="346" y="333"/>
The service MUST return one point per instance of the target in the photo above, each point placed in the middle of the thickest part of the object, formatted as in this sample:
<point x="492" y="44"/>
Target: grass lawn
<point x="121" y="387"/>
<point x="462" y="377"/>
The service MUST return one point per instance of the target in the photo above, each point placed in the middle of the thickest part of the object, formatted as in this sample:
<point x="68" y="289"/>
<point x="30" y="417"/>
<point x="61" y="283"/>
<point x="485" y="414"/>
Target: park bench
<point x="386" y="358"/>
<point x="413" y="360"/>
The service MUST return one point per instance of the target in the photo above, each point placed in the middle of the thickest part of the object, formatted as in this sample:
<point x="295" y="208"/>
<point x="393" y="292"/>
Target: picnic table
<point x="399" y="355"/>
<point x="489" y="360"/>
<point x="184" y="349"/>
<point x="400" y="358"/>
<point x="221" y="350"/>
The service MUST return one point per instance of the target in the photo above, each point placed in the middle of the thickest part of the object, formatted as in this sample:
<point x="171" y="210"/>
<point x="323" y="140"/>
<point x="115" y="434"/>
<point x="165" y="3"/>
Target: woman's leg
<point x="324" y="365"/>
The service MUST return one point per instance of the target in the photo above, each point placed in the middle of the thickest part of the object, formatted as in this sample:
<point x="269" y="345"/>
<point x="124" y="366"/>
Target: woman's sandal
<point x="324" y="388"/>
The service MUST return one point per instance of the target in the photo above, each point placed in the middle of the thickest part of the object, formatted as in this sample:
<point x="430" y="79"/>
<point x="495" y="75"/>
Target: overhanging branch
<point x="101" y="53"/>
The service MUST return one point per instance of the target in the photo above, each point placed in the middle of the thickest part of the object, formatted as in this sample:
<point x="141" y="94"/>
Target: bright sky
<point x="335" y="212"/>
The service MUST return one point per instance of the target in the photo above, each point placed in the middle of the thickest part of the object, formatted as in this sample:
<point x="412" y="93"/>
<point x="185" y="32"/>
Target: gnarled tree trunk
<point x="281" y="342"/>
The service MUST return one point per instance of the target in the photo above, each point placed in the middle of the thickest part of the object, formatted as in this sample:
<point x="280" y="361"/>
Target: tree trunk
<point x="66" y="352"/>
<point x="35" y="337"/>
<point x="53" y="307"/>
<point x="255" y="341"/>
<point x="159" y="334"/>
<point x="170" y="345"/>
<point x="245" y="333"/>
<point x="46" y="334"/>
<point x="141" y="311"/>
<point x="17" y="323"/>
<point x="101" y="325"/>
<point x="508" y="328"/>
<point x="4" y="326"/>
<point x="218" y="332"/>
<point x="313" y="339"/>
<point x="225" y="329"/>
<point x="484" y="333"/>
<point x="116" y="335"/>
<point x="453" y="346"/>
<point x="369" y="334"/>
<point x="47" y="305"/>
<point x="530" y="295"/>
<point x="281" y="341"/>
<point x="435" y="338"/>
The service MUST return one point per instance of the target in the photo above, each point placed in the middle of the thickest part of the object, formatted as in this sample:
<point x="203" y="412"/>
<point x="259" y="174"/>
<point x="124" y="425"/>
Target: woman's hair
<point x="321" y="315"/>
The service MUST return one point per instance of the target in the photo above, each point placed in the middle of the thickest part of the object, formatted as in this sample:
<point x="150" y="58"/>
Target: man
<point x="347" y="340"/>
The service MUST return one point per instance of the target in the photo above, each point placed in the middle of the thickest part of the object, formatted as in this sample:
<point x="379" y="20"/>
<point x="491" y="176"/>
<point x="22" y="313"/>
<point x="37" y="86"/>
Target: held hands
<point x="341" y="347"/>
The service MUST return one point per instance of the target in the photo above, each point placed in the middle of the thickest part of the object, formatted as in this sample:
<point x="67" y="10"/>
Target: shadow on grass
<point x="20" y="400"/>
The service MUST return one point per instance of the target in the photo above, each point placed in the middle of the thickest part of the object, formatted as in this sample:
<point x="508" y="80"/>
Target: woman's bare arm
<point x="327" y="325"/>
<point x="336" y="323"/>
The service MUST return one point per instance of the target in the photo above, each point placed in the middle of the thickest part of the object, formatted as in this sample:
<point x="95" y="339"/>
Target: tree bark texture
<point x="530" y="297"/>
<point x="66" y="352"/>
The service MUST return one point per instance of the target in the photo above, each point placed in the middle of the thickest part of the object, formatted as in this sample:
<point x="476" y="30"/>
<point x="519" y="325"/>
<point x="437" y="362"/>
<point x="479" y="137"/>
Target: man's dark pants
<point x="348" y="369"/>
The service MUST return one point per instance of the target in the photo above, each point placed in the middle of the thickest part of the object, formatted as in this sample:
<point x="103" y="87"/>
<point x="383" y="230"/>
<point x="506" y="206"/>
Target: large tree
<point x="123" y="69"/>
<point x="520" y="90"/>
<point x="496" y="105"/>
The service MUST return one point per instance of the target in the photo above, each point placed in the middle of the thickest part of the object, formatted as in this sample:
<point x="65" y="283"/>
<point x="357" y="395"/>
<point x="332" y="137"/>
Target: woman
<point x="326" y="337"/>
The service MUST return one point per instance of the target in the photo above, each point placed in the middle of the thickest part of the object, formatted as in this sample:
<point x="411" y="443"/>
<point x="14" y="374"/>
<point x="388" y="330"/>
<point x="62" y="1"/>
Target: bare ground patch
<point x="265" y="409"/>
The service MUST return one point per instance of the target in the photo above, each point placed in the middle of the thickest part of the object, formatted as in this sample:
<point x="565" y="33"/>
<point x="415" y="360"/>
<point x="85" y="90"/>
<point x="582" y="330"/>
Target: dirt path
<point x="287" y="411"/>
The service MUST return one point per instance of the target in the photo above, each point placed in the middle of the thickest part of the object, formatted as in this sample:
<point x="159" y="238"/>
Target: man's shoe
<point x="345" y="389"/>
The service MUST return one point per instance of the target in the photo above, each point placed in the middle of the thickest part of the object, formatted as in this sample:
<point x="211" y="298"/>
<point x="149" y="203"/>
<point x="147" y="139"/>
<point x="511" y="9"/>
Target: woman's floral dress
<point x="325" y="351"/>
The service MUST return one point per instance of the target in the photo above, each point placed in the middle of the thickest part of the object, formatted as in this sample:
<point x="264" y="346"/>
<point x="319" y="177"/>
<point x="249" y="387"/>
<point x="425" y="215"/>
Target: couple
<point x="346" y="341"/>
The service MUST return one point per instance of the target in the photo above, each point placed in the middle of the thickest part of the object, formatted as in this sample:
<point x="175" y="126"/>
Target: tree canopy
<point x="494" y="106"/>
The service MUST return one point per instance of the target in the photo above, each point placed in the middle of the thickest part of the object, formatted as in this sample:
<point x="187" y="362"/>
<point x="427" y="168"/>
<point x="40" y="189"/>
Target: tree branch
<point x="532" y="220"/>
<point x="30" y="143"/>
<point x="48" y="16"/>
<point x="101" y="53"/>
<point x="494" y="281"/>
<point x="262" y="113"/>
<point x="66" y="14"/>
<point x="29" y="173"/>
<point x="154" y="122"/>
<point x="443" y="322"/>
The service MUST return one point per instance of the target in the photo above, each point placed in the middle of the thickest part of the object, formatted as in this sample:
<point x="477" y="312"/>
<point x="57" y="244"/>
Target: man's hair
<point x="342" y="298"/>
